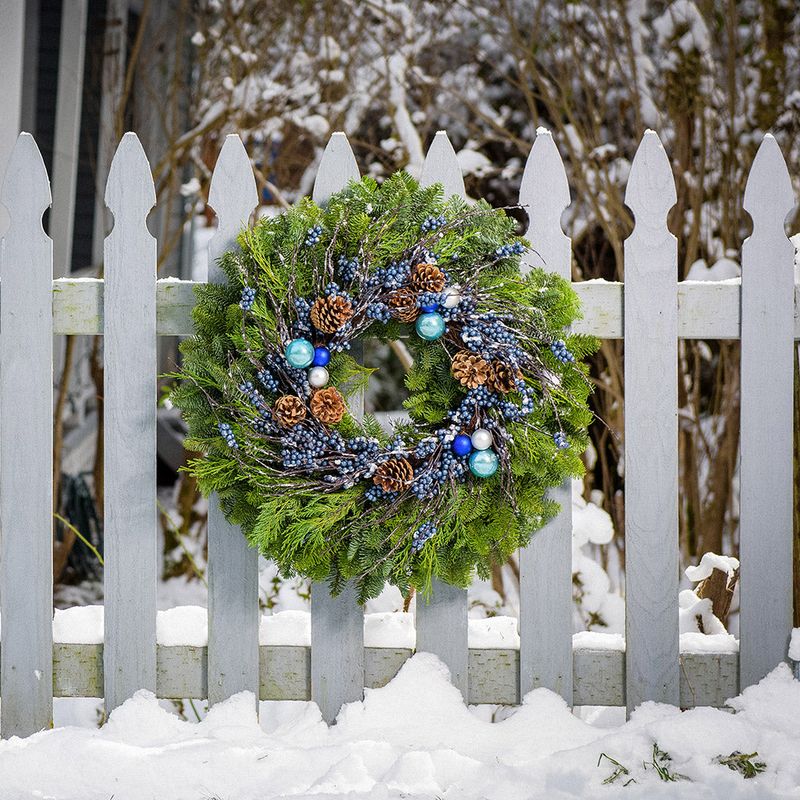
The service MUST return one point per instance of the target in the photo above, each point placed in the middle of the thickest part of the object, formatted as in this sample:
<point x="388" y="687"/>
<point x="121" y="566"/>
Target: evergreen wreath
<point x="498" y="393"/>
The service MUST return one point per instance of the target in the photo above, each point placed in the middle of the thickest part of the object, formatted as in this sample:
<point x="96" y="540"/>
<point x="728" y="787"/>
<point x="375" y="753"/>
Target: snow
<point x="592" y="640"/>
<point x="794" y="645"/>
<point x="722" y="270"/>
<point x="414" y="738"/>
<point x="708" y="563"/>
<point x="475" y="163"/>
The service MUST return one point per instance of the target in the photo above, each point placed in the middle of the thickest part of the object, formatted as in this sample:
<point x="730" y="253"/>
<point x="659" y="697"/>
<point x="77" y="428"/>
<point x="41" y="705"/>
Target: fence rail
<point x="651" y="312"/>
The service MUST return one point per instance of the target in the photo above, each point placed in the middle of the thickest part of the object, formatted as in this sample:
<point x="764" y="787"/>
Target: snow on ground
<point x="412" y="739"/>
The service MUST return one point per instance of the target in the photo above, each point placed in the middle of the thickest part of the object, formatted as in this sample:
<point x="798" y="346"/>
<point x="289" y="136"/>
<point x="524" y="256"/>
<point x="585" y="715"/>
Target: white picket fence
<point x="651" y="311"/>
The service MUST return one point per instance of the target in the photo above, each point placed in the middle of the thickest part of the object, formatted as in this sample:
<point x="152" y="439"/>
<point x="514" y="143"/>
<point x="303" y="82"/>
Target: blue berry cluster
<point x="248" y="298"/>
<point x="227" y="434"/>
<point x="430" y="299"/>
<point x="379" y="312"/>
<point x="391" y="277"/>
<point x="264" y="425"/>
<point x="432" y="223"/>
<point x="560" y="440"/>
<point x="506" y="250"/>
<point x="301" y="328"/>
<point x="421" y="535"/>
<point x="268" y="380"/>
<point x="303" y="446"/>
<point x="253" y="395"/>
<point x="361" y="453"/>
<point x="313" y="235"/>
<point x="426" y="448"/>
<point x="347" y="268"/>
<point x="559" y="350"/>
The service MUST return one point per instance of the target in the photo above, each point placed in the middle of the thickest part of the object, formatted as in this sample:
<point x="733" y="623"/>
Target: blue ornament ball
<point x="322" y="357"/>
<point x="430" y="326"/>
<point x="462" y="446"/>
<point x="299" y="353"/>
<point x="483" y="463"/>
<point x="428" y="309"/>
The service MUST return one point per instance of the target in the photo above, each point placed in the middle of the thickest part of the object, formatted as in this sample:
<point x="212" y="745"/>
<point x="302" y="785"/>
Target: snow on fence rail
<point x="651" y="312"/>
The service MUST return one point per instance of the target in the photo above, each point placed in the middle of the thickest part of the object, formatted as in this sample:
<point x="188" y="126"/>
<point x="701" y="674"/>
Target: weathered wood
<point x="545" y="591"/>
<point x="707" y="679"/>
<point x="26" y="445"/>
<point x="705" y="310"/>
<point x="130" y="521"/>
<point x="232" y="563"/>
<point x="767" y="394"/>
<point x="651" y="432"/>
<point x="442" y="618"/>
<point x="337" y="623"/>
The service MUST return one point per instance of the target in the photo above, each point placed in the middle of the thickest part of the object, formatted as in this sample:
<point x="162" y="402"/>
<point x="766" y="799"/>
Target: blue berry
<point x="432" y="223"/>
<point x="227" y="434"/>
<point x="422" y="535"/>
<point x="313" y="235"/>
<point x="559" y="350"/>
<point x="248" y="297"/>
<point x="560" y="440"/>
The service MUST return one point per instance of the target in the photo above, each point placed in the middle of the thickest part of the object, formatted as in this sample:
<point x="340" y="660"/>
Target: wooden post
<point x="337" y="623"/>
<point x="767" y="393"/>
<point x="232" y="564"/>
<point x="129" y="346"/>
<point x="26" y="448"/>
<point x="545" y="566"/>
<point x="651" y="433"/>
<point x="442" y="620"/>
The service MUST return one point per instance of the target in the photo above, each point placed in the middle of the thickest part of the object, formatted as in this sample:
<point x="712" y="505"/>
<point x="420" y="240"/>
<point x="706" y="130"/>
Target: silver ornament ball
<point x="318" y="377"/>
<point x="452" y="296"/>
<point x="482" y="439"/>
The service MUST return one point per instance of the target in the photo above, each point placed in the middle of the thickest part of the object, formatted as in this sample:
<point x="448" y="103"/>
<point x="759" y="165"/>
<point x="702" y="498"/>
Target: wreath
<point x="497" y="393"/>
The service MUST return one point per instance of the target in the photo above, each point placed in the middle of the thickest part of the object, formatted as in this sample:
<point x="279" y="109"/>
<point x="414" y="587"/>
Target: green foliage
<point x="338" y="536"/>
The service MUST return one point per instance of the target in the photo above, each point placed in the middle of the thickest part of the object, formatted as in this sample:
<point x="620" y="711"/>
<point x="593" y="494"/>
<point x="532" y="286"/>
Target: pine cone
<point x="470" y="370"/>
<point x="403" y="305"/>
<point x="327" y="405"/>
<point x="393" y="475"/>
<point x="289" y="410"/>
<point x="502" y="378"/>
<point x="427" y="278"/>
<point x="328" y="314"/>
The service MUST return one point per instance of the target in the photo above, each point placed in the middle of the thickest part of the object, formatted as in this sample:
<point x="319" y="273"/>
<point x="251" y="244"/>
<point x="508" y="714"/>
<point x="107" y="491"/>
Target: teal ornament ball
<point x="483" y="463"/>
<point x="299" y="353"/>
<point x="430" y="326"/>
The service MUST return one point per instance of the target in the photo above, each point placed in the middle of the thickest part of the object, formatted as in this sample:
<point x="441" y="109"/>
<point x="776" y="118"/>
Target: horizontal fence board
<point x="706" y="310"/>
<point x="707" y="679"/>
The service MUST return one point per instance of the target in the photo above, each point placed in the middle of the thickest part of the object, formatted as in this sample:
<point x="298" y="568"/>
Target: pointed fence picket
<point x="442" y="617"/>
<point x="130" y="522"/>
<point x="651" y="432"/>
<point x="337" y="623"/>
<point x="545" y="566"/>
<point x="26" y="447"/>
<point x="651" y="311"/>
<point x="232" y="565"/>
<point x="767" y="379"/>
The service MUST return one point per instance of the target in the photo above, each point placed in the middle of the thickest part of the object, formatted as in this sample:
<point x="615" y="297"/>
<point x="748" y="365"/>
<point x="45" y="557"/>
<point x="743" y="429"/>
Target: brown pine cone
<point x="393" y="475"/>
<point x="289" y="410"/>
<point x="427" y="278"/>
<point x="470" y="370"/>
<point x="502" y="378"/>
<point x="327" y="405"/>
<point x="403" y="305"/>
<point x="328" y="314"/>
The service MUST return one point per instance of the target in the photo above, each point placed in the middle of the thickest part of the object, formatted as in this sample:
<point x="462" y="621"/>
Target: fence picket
<point x="337" y="623"/>
<point x="442" y="619"/>
<point x="26" y="447"/>
<point x="651" y="432"/>
<point x="233" y="614"/>
<point x="130" y="532"/>
<point x="545" y="566"/>
<point x="767" y="375"/>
